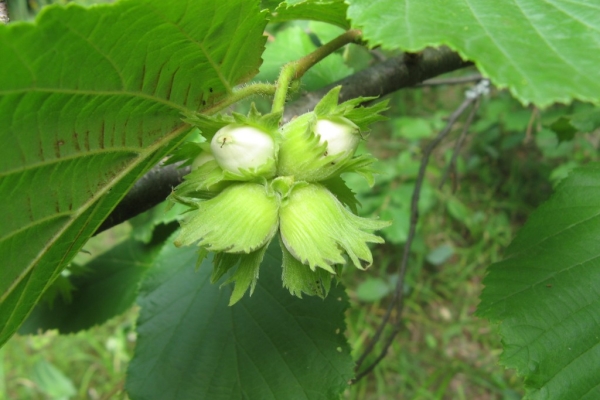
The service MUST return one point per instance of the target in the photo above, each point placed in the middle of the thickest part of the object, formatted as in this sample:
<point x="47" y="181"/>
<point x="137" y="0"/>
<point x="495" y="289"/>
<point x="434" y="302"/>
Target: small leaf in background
<point x="586" y="121"/>
<point x="396" y="233"/>
<point x="412" y="128"/>
<point x="566" y="126"/>
<point x="271" y="345"/>
<point x="544" y="294"/>
<point x="373" y="289"/>
<point x="293" y="43"/>
<point x="325" y="32"/>
<point x="563" y="129"/>
<point x="562" y="171"/>
<point x="52" y="382"/>
<point x="543" y="52"/>
<point x="330" y="11"/>
<point x="547" y="141"/>
<point x="440" y="254"/>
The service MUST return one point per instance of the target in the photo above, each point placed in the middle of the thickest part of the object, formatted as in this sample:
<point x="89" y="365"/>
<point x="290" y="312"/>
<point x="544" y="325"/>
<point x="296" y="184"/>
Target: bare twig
<point x="4" y="19"/>
<point x="459" y="142"/>
<point x="397" y="303"/>
<point x="529" y="131"/>
<point x="451" y="81"/>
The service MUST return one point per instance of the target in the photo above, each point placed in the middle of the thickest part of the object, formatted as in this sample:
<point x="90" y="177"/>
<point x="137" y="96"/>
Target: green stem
<point x="283" y="83"/>
<point x="296" y="69"/>
<point x="264" y="89"/>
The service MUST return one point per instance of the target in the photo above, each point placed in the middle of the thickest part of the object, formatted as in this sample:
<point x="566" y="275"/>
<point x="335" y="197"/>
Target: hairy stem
<point x="255" y="89"/>
<point x="296" y="69"/>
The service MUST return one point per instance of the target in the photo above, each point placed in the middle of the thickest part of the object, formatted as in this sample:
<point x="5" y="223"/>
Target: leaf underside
<point x="90" y="99"/>
<point x="544" y="51"/>
<point x="545" y="294"/>
<point x="269" y="346"/>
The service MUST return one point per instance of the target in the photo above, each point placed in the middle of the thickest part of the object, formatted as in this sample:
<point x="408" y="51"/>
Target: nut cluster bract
<point x="252" y="181"/>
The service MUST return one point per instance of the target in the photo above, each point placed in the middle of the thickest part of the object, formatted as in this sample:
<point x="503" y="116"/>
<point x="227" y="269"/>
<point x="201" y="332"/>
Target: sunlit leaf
<point x="544" y="51"/>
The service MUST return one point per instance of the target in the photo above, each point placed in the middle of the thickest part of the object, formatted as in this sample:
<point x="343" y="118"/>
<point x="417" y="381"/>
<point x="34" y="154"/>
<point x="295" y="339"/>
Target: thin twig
<point x="458" y="146"/>
<point x="450" y="81"/>
<point x="528" y="132"/>
<point x="397" y="303"/>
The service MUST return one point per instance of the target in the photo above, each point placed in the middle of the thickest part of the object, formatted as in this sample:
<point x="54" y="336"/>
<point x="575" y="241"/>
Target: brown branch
<point x="451" y="169"/>
<point x="378" y="80"/>
<point x="385" y="78"/>
<point x="451" y="81"/>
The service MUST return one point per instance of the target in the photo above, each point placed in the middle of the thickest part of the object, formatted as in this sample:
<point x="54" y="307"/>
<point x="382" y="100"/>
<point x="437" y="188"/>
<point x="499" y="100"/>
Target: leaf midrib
<point x="80" y="92"/>
<point x="134" y="151"/>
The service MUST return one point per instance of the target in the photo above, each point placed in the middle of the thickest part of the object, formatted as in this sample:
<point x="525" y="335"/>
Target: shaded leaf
<point x="107" y="287"/>
<point x="563" y="129"/>
<point x="545" y="293"/>
<point x="269" y="346"/>
<point x="373" y="289"/>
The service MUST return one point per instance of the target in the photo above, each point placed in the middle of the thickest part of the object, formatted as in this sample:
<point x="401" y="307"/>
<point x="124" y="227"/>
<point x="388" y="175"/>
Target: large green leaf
<point x="545" y="294"/>
<point x="106" y="287"/>
<point x="90" y="99"/>
<point x="271" y="345"/>
<point x="542" y="50"/>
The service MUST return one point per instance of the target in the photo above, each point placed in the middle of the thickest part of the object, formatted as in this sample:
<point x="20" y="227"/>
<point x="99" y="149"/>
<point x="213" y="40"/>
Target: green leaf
<point x="543" y="51"/>
<point x="563" y="129"/>
<point x="90" y="99"/>
<point x="330" y="11"/>
<point x="373" y="289"/>
<point x="272" y="345"/>
<point x="52" y="381"/>
<point x="545" y="294"/>
<point x="107" y="287"/>
<point x="585" y="121"/>
<point x="292" y="44"/>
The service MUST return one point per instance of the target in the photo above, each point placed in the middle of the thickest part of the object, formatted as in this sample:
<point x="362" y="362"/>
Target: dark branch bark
<point x="152" y="189"/>
<point x="381" y="79"/>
